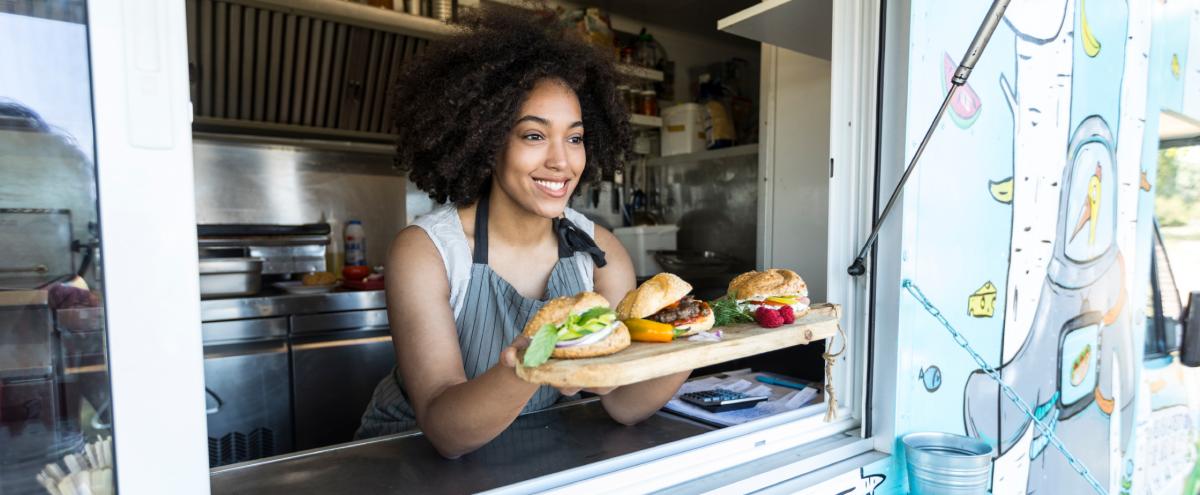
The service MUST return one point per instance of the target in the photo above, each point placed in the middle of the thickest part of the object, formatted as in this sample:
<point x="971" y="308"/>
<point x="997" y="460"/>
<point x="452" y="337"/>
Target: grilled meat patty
<point x="686" y="309"/>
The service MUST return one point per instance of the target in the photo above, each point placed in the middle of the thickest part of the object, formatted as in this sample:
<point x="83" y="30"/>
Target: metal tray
<point x="229" y="277"/>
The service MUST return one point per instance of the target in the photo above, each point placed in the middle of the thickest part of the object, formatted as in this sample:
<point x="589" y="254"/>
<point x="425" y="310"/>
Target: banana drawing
<point x="1175" y="70"/>
<point x="1091" y="210"/>
<point x="1091" y="46"/>
<point x="1002" y="190"/>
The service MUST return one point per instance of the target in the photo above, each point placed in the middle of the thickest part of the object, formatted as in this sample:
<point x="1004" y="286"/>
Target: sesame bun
<point x="773" y="282"/>
<point x="556" y="311"/>
<point x="660" y="291"/>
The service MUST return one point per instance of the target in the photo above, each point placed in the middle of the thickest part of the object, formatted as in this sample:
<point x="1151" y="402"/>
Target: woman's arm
<point x="629" y="404"/>
<point x="456" y="414"/>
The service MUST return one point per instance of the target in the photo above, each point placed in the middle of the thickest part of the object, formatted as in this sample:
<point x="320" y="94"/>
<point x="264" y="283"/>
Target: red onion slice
<point x="590" y="338"/>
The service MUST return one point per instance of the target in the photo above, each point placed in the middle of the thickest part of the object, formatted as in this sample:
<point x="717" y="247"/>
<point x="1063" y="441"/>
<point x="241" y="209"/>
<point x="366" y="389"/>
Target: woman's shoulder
<point x="440" y="215"/>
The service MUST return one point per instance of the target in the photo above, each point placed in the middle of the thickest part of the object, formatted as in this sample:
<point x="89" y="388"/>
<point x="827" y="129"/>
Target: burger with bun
<point x="574" y="327"/>
<point x="664" y="299"/>
<point x="773" y="289"/>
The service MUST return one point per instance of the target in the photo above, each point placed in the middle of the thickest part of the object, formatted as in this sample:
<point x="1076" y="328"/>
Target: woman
<point x="501" y="122"/>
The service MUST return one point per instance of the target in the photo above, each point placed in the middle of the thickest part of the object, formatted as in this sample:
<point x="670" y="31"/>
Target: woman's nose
<point x="558" y="157"/>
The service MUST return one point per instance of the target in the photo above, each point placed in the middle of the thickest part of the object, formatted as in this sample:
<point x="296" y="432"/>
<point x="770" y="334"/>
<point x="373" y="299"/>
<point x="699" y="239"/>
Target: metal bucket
<point x="947" y="464"/>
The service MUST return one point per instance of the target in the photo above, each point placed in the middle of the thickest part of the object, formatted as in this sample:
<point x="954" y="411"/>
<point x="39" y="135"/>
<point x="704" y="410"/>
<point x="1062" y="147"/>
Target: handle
<point x="38" y="268"/>
<point x="216" y="398"/>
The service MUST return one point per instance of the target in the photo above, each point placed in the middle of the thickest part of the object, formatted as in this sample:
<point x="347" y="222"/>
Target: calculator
<point x="720" y="400"/>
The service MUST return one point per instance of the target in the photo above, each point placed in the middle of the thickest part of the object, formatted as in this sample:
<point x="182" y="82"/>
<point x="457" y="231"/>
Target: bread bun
<point x="704" y="323"/>
<point x="556" y="310"/>
<point x="617" y="340"/>
<point x="773" y="282"/>
<point x="660" y="291"/>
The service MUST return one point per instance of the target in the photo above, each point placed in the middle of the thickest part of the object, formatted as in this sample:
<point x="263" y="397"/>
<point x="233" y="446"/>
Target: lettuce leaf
<point x="542" y="346"/>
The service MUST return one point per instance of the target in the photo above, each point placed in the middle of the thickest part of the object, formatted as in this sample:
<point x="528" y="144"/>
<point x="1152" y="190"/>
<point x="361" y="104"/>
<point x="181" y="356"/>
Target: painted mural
<point x="1029" y="224"/>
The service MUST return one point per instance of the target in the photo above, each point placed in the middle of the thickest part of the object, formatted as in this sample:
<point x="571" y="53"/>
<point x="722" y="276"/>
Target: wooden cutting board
<point x="645" y="360"/>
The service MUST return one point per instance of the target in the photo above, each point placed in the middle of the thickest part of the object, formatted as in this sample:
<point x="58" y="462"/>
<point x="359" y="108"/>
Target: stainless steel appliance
<point x="337" y="359"/>
<point x="247" y="393"/>
<point x="337" y="346"/>
<point x="29" y="413"/>
<point x="37" y="246"/>
<point x="282" y="249"/>
<point x="229" y="277"/>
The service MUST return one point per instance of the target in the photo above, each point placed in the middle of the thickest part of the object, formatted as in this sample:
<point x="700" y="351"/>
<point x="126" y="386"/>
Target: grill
<point x="238" y="447"/>
<point x="267" y="69"/>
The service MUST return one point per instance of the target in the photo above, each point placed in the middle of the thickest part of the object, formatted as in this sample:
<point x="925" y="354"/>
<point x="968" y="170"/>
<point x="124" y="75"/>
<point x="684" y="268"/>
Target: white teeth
<point x="553" y="186"/>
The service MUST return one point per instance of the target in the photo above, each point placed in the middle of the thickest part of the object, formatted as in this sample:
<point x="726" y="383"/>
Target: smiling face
<point x="544" y="156"/>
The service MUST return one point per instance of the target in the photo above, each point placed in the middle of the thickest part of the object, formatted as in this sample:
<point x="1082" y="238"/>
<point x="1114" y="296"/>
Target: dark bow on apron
<point x="572" y="240"/>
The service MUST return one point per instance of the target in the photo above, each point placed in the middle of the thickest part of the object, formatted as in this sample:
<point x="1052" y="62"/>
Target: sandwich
<point x="772" y="289"/>
<point x="574" y="327"/>
<point x="664" y="299"/>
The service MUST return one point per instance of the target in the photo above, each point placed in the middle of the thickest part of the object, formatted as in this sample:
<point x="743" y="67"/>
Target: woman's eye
<point x="532" y="137"/>
<point x="575" y="139"/>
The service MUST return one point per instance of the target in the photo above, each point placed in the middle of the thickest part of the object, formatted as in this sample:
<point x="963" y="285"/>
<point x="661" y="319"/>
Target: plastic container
<point x="356" y="244"/>
<point x="642" y="241"/>
<point x="683" y="129"/>
<point x="944" y="463"/>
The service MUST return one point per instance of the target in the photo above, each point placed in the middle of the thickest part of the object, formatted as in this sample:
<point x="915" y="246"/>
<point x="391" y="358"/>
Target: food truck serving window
<point x="783" y="447"/>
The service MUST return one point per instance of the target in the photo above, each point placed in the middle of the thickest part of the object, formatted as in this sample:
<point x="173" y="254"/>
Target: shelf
<point x="706" y="155"/>
<point x="645" y="121"/>
<point x="359" y="15"/>
<point x="639" y="72"/>
<point x="805" y="26"/>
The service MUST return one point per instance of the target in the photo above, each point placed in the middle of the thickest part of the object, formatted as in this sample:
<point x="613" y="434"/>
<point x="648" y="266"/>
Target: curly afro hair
<point x="458" y="102"/>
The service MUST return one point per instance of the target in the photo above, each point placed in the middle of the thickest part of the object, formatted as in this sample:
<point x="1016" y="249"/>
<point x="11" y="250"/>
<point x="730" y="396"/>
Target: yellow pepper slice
<point x="643" y="330"/>
<point x="786" y="301"/>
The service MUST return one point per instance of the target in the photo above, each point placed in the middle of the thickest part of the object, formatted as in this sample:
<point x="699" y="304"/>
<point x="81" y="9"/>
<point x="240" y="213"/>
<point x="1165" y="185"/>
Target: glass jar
<point x="627" y="55"/>
<point x="647" y="102"/>
<point x="627" y="97"/>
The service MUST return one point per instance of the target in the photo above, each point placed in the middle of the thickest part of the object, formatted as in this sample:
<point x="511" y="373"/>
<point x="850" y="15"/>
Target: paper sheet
<point x="782" y="399"/>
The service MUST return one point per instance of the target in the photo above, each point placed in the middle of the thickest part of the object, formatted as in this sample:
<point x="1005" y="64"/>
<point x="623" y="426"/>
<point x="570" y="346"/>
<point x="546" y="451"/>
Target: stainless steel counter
<point x="536" y="444"/>
<point x="287" y="304"/>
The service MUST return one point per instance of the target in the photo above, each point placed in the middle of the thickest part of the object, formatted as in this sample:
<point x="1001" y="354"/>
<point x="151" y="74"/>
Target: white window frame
<point x="853" y="114"/>
<point x="142" y="120"/>
<point x="147" y="217"/>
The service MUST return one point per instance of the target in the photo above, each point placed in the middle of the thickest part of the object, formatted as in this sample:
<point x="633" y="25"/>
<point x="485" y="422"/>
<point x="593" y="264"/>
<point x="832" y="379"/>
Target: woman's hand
<point x="512" y="355"/>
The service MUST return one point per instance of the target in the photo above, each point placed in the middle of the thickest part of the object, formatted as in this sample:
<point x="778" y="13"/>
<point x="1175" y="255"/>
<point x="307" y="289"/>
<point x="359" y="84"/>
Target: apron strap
<point x="570" y="238"/>
<point x="480" y="257"/>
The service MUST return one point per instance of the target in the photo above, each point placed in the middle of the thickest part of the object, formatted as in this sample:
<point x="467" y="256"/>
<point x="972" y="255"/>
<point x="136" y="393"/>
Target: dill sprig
<point x="726" y="312"/>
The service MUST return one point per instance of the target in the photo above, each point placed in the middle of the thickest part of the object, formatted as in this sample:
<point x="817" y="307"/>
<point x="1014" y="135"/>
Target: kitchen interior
<point x="294" y="178"/>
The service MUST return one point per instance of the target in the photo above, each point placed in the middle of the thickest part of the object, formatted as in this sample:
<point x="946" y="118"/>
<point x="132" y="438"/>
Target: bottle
<point x="356" y="244"/>
<point x="718" y="126"/>
<point x="334" y="258"/>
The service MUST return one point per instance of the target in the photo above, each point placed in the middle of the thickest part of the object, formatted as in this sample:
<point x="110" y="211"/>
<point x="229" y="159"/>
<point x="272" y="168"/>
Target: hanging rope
<point x="830" y="359"/>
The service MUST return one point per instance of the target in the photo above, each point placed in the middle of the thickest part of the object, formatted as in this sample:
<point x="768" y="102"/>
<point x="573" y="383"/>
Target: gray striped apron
<point x="493" y="315"/>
